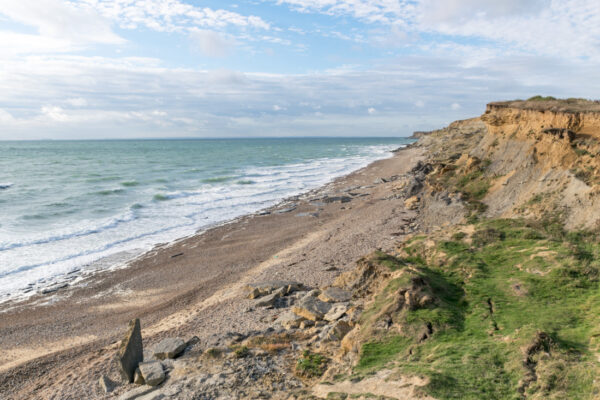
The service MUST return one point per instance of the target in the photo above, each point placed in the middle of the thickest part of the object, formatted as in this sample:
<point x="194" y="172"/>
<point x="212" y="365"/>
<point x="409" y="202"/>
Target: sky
<point x="89" y="69"/>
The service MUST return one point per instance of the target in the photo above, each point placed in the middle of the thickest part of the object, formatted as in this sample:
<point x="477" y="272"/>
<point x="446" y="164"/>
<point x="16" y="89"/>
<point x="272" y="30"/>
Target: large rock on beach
<point x="335" y="295"/>
<point x="152" y="372"/>
<point x="259" y="289"/>
<point x="311" y="308"/>
<point x="169" y="348"/>
<point x="131" y="351"/>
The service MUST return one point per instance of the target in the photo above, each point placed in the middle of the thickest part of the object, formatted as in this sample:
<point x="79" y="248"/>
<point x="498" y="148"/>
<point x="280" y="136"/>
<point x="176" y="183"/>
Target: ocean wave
<point x="5" y="185"/>
<point x="218" y="179"/>
<point x="108" y="192"/>
<point x="113" y="223"/>
<point x="129" y="183"/>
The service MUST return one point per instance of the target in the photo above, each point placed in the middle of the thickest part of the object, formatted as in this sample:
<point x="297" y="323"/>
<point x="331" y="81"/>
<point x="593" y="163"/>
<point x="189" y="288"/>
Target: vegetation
<point x="541" y="98"/>
<point x="311" y="365"/>
<point x="516" y="313"/>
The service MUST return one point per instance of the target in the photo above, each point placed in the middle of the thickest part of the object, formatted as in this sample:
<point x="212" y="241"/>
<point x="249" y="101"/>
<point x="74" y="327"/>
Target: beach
<point x="55" y="345"/>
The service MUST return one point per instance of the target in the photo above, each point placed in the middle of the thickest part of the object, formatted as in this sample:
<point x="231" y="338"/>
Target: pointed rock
<point x="131" y="351"/>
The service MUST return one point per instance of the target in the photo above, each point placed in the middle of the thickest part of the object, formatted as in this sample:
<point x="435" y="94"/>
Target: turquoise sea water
<point x="67" y="204"/>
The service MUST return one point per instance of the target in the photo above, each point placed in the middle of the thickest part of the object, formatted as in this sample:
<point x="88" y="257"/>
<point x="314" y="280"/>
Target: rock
<point x="337" y="331"/>
<point x="289" y="320"/>
<point x="411" y="203"/>
<point x="307" y="323"/>
<point x="131" y="351"/>
<point x="54" y="288"/>
<point x="169" y="348"/>
<point x="106" y="384"/>
<point x="137" y="393"/>
<point x="152" y="372"/>
<point x="353" y="314"/>
<point x="335" y="295"/>
<point x="311" y="308"/>
<point x="337" y="311"/>
<point x="269" y="300"/>
<point x="260" y="289"/>
<point x="138" y="379"/>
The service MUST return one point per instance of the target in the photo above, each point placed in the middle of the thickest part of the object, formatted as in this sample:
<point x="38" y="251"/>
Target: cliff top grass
<point x="516" y="314"/>
<point x="549" y="103"/>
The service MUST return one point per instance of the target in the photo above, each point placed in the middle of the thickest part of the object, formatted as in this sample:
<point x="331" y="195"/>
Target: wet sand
<point x="57" y="345"/>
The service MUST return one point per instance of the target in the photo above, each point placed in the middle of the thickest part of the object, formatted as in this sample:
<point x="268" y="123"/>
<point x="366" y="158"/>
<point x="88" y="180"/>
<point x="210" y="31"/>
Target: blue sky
<point x="182" y="68"/>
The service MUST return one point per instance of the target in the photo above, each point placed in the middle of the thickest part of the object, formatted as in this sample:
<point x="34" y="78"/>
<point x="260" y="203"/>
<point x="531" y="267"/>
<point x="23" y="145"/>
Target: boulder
<point x="131" y="351"/>
<point x="169" y="348"/>
<point x="260" y="289"/>
<point x="311" y="308"/>
<point x="336" y="312"/>
<point x="106" y="384"/>
<point x="289" y="320"/>
<point x="335" y="295"/>
<point x="152" y="372"/>
<point x="270" y="299"/>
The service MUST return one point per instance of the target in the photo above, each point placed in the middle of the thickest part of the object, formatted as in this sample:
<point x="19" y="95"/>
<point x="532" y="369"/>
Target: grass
<point x="494" y="294"/>
<point x="541" y="98"/>
<point x="311" y="365"/>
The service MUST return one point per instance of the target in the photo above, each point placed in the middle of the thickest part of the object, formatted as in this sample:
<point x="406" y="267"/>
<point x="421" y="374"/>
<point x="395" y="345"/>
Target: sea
<point x="68" y="207"/>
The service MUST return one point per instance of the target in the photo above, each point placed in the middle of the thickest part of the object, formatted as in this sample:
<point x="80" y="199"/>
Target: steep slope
<point x="498" y="297"/>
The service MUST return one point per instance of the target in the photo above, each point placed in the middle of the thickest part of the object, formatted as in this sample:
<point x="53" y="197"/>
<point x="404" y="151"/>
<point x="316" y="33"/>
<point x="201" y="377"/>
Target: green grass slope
<point x="503" y="310"/>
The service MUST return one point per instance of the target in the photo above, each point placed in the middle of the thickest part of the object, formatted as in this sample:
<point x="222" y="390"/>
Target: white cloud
<point x="459" y="11"/>
<point x="130" y="97"/>
<point x="210" y="43"/>
<point x="74" y="23"/>
<point x="55" y="113"/>
<point x="381" y="11"/>
<point x="172" y="15"/>
<point x="420" y="103"/>
<point x="77" y="102"/>
<point x="455" y="106"/>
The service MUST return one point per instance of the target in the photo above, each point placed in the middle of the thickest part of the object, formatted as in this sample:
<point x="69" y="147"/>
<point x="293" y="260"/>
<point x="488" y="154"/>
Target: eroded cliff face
<point x="533" y="163"/>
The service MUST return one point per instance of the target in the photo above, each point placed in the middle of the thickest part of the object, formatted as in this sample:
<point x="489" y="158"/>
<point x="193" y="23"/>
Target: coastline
<point x="122" y="258"/>
<point x="191" y="287"/>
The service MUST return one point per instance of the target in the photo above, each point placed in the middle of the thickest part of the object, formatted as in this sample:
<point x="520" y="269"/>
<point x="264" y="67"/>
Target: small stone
<point x="335" y="295"/>
<point x="256" y="290"/>
<point x="289" y="320"/>
<point x="153" y="373"/>
<point x="138" y="379"/>
<point x="169" y="348"/>
<point x="311" y="308"/>
<point x="411" y="203"/>
<point x="131" y="351"/>
<point x="337" y="311"/>
<point x="106" y="384"/>
<point x="307" y="323"/>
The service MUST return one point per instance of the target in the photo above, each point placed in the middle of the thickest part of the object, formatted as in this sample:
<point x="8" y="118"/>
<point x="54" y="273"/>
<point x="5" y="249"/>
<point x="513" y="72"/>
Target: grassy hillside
<point x="503" y="309"/>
